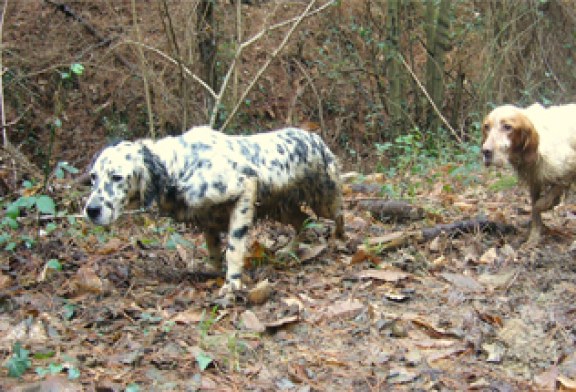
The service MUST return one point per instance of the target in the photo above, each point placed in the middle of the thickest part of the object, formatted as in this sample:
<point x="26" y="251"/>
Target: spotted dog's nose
<point x="488" y="155"/>
<point x="93" y="212"/>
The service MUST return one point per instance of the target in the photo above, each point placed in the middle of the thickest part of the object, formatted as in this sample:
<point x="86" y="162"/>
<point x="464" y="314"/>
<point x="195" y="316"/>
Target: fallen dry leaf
<point x="567" y="384"/>
<point x="463" y="282"/>
<point x="489" y="257"/>
<point x="86" y="281"/>
<point x="345" y="309"/>
<point x="387" y="275"/>
<point x="309" y="253"/>
<point x="250" y="321"/>
<point x="282" y="321"/>
<point x="112" y="246"/>
<point x="495" y="351"/>
<point x="362" y="255"/>
<point x="546" y="381"/>
<point x="5" y="281"/>
<point x="189" y="316"/>
<point x="260" y="293"/>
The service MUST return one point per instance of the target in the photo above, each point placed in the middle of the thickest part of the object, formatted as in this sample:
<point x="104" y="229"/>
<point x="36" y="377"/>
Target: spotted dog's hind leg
<point x="213" y="244"/>
<point x="240" y="222"/>
<point x="295" y="217"/>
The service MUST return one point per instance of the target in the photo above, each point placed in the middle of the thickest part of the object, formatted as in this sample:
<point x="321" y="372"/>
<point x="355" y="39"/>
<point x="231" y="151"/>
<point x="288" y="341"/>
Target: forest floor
<point x="465" y="310"/>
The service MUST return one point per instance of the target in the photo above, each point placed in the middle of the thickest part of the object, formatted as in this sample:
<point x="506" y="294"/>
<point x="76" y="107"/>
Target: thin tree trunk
<point x="207" y="46"/>
<point x="393" y="70"/>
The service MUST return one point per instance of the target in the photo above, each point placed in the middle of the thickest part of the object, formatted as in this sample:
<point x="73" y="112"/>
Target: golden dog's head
<point x="509" y="137"/>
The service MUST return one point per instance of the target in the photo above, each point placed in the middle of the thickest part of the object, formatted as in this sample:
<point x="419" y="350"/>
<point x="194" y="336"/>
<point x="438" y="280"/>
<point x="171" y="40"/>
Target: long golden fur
<point x="540" y="143"/>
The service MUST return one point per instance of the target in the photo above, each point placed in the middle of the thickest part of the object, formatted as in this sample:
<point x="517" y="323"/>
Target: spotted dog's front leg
<point x="240" y="222"/>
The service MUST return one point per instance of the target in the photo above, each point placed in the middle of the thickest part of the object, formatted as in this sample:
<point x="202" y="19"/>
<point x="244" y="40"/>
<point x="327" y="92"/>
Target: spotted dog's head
<point x="121" y="175"/>
<point x="509" y="137"/>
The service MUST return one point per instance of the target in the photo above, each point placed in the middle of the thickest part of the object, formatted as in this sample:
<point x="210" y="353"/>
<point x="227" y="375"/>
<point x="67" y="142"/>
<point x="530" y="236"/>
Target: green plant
<point x="56" y="368"/>
<point x="18" y="362"/>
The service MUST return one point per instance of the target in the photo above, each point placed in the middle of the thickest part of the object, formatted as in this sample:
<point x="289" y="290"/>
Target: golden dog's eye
<point x="116" y="177"/>
<point x="507" y="127"/>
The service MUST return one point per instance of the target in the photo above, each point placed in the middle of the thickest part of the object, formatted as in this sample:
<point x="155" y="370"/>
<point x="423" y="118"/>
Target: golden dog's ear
<point x="524" y="139"/>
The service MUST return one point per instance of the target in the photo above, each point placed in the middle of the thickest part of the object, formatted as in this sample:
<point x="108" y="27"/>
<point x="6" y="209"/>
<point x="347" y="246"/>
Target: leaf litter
<point x="464" y="307"/>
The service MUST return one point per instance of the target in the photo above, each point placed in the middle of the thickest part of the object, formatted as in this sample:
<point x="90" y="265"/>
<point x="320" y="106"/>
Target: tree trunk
<point x="438" y="43"/>
<point x="393" y="69"/>
<point x="207" y="46"/>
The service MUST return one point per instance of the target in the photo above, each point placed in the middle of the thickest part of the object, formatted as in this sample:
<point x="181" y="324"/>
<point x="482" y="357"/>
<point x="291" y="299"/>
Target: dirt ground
<point x="466" y="310"/>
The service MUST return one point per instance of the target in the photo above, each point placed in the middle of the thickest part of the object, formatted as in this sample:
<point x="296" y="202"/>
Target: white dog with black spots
<point x="221" y="184"/>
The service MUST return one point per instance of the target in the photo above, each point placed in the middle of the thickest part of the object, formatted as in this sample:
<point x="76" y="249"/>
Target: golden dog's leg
<point x="540" y="204"/>
<point x="536" y="225"/>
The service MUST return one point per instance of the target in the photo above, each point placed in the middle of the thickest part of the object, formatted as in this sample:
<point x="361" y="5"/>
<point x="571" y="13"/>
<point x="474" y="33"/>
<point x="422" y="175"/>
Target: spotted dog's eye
<point x="93" y="177"/>
<point x="117" y="177"/>
<point x="507" y="127"/>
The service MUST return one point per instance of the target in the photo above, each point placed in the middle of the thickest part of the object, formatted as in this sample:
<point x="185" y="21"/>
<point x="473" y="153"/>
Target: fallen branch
<point x="386" y="210"/>
<point x="402" y="238"/>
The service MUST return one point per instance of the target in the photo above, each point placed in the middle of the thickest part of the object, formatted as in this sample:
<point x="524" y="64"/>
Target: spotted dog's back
<point x="222" y="183"/>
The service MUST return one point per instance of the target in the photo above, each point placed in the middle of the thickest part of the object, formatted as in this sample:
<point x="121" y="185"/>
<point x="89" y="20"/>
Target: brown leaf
<point x="432" y="330"/>
<point x="546" y="381"/>
<point x="345" y="309"/>
<point x="463" y="282"/>
<point x="5" y="281"/>
<point x="112" y="246"/>
<point x="567" y="384"/>
<point x="309" y="253"/>
<point x="362" y="255"/>
<point x="86" y="281"/>
<point x="387" y="275"/>
<point x="190" y="316"/>
<point x="250" y="322"/>
<point x="282" y="321"/>
<point x="489" y="257"/>
<point x="260" y="293"/>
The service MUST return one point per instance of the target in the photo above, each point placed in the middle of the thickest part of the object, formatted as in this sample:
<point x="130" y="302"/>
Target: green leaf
<point x="55" y="368"/>
<point x="54" y="264"/>
<point x="59" y="173"/>
<point x="10" y="247"/>
<point x="50" y="227"/>
<point x="203" y="361"/>
<point x="19" y="361"/>
<point x="44" y="354"/>
<point x="132" y="388"/>
<point x="27" y="184"/>
<point x="42" y="371"/>
<point x="73" y="373"/>
<point x="12" y="222"/>
<point x="77" y="68"/>
<point x="69" y="311"/>
<point x="65" y="166"/>
<point x="46" y="205"/>
<point x="57" y="123"/>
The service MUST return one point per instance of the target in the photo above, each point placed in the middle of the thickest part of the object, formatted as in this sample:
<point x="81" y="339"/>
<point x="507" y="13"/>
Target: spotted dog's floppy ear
<point x="155" y="180"/>
<point x="525" y="140"/>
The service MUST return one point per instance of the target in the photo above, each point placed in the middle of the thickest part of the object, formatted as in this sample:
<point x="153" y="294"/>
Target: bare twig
<point x="430" y="99"/>
<point x="144" y="71"/>
<point x="187" y="71"/>
<point x="3" y="114"/>
<point x="318" y="97"/>
<point x="261" y="71"/>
